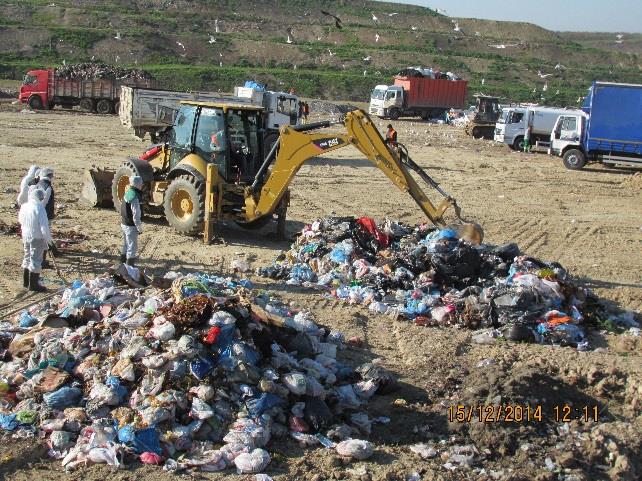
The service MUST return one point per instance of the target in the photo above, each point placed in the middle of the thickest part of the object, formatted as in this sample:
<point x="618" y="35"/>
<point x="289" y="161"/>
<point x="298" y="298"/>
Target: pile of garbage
<point x="435" y="279"/>
<point x="91" y="71"/>
<point x="200" y="375"/>
<point x="323" y="107"/>
<point x="7" y="93"/>
<point x="421" y="72"/>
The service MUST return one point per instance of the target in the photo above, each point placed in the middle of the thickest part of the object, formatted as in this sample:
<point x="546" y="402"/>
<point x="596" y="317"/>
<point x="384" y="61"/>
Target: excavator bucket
<point x="469" y="231"/>
<point x="96" y="188"/>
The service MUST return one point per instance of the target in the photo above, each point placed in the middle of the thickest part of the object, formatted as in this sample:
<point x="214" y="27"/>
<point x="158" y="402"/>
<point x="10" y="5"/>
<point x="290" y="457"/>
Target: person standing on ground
<point x="130" y="223"/>
<point x="45" y="180"/>
<point x="391" y="136"/>
<point x="306" y="112"/>
<point x="527" y="137"/>
<point x="36" y="236"/>
<point x="299" y="117"/>
<point x="27" y="181"/>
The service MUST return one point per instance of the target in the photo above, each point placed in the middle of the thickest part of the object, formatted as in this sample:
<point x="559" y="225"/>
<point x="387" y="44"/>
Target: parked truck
<point x="423" y="97"/>
<point x="151" y="111"/>
<point x="511" y="126"/>
<point x="607" y="130"/>
<point x="484" y="118"/>
<point x="43" y="89"/>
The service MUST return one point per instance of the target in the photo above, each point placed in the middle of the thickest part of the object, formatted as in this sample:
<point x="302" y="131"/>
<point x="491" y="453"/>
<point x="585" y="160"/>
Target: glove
<point x="54" y="250"/>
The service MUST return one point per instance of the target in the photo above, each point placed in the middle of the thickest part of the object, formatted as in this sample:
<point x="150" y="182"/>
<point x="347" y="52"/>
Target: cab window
<point x="29" y="79"/>
<point x="515" y="117"/>
<point x="391" y="95"/>
<point x="211" y="139"/>
<point x="181" y="136"/>
<point x="243" y="137"/>
<point x="287" y="106"/>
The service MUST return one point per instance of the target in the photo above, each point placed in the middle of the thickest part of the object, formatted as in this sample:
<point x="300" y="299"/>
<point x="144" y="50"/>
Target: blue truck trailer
<point x="609" y="129"/>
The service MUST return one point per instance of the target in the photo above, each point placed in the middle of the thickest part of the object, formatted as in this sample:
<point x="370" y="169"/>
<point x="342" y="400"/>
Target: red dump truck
<point x="43" y="89"/>
<point x="415" y="96"/>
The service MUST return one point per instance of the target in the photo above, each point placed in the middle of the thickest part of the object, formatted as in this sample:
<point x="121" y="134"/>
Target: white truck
<point x="151" y="111"/>
<point x="511" y="126"/>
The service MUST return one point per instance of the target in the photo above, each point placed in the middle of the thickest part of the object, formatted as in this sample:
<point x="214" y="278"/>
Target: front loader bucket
<point x="96" y="188"/>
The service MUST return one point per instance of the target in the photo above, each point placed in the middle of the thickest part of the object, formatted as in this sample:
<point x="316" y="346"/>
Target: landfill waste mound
<point x="420" y="72"/>
<point x="6" y="93"/>
<point x="90" y="71"/>
<point x="435" y="279"/>
<point x="197" y="376"/>
<point x="323" y="107"/>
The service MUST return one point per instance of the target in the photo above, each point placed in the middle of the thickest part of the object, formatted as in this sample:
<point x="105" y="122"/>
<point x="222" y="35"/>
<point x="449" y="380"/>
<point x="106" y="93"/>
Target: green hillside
<point x="177" y="40"/>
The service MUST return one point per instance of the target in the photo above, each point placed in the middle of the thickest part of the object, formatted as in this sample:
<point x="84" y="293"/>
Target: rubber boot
<point x="25" y="278"/>
<point x="34" y="282"/>
<point x="45" y="262"/>
<point x="131" y="261"/>
<point x="123" y="258"/>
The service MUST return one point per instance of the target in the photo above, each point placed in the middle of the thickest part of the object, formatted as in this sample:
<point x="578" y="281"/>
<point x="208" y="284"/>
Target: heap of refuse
<point x="324" y="107"/>
<point x="199" y="375"/>
<point x="91" y="71"/>
<point x="421" y="72"/>
<point x="432" y="277"/>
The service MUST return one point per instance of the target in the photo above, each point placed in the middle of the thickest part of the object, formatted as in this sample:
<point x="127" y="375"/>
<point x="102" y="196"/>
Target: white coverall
<point x="23" y="195"/>
<point x="36" y="235"/>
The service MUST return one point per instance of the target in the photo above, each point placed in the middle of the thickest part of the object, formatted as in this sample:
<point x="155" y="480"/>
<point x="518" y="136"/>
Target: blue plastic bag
<point x="147" y="441"/>
<point x="257" y="406"/>
<point x="27" y="320"/>
<point x="8" y="422"/>
<point x="65" y="397"/>
<point x="201" y="367"/>
<point x="121" y="390"/>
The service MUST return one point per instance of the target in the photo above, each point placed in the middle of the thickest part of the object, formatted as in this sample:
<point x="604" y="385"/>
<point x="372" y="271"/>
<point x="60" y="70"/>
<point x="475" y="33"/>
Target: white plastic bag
<point x="252" y="462"/>
<point x="355" y="448"/>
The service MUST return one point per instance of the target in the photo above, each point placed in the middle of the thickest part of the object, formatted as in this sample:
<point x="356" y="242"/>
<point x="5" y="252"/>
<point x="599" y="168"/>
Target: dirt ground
<point x="590" y="221"/>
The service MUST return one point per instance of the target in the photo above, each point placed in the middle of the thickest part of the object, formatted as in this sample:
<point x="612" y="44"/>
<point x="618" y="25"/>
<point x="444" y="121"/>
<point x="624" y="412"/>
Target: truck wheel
<point x="394" y="114"/>
<point x="184" y="205"/>
<point x="104" y="106"/>
<point x="518" y="144"/>
<point x="86" y="105"/>
<point x="574" y="159"/>
<point x="35" y="103"/>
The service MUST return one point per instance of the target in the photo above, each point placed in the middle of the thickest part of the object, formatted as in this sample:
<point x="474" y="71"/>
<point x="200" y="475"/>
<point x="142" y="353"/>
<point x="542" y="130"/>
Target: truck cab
<point x="567" y="133"/>
<point x="282" y="109"/>
<point x="511" y="125"/>
<point x="387" y="101"/>
<point x="34" y="88"/>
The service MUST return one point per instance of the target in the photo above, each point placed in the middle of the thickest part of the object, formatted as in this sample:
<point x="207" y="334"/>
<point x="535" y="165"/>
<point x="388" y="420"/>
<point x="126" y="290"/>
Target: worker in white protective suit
<point x="130" y="223"/>
<point x="27" y="181"/>
<point x="36" y="237"/>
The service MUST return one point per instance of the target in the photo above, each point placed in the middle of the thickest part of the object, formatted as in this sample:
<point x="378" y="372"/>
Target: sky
<point x="559" y="15"/>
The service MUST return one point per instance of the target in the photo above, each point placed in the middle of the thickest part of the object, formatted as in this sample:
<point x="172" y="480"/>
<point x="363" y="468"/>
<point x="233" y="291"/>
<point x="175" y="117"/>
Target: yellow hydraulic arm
<point x="297" y="145"/>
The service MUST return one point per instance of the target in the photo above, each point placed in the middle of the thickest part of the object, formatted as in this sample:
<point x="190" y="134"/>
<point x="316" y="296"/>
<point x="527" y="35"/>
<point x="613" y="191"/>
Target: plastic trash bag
<point x="252" y="462"/>
<point x="355" y="448"/>
<point x="64" y="397"/>
<point x="150" y="458"/>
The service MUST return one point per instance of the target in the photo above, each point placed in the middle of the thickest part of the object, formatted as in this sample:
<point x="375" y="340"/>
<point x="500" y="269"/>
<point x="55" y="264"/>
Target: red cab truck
<point x="42" y="89"/>
<point x="423" y="97"/>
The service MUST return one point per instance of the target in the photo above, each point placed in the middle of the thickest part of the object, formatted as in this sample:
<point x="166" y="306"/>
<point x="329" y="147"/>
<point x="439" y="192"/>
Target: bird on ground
<point x="216" y="26"/>
<point x="535" y="90"/>
<point x="64" y="62"/>
<point x="212" y="39"/>
<point x="483" y="81"/>
<point x="545" y="87"/>
<point x="579" y="99"/>
<point x="118" y="37"/>
<point x="180" y="44"/>
<point x="337" y="20"/>
<point x="93" y="57"/>
<point x="220" y="64"/>
<point x="413" y="28"/>
<point x="290" y="35"/>
<point x="557" y="92"/>
<point x="365" y="73"/>
<point x="559" y="66"/>
<point x="374" y="18"/>
<point x="503" y="45"/>
<point x="294" y="67"/>
<point x="377" y="37"/>
<point x="543" y="75"/>
<point x="456" y="27"/>
<point x="332" y="54"/>
<point x="477" y="34"/>
<point x="117" y="58"/>
<point x="367" y="59"/>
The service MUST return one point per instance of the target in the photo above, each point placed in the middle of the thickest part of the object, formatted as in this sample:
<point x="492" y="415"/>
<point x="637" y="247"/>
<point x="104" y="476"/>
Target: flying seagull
<point x="543" y="75"/>
<point x="456" y="28"/>
<point x="619" y="36"/>
<point x="374" y="18"/>
<point x="180" y="44"/>
<point x="337" y="20"/>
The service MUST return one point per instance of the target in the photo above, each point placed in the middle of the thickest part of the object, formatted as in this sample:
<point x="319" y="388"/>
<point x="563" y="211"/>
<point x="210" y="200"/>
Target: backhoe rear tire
<point x="184" y="205"/>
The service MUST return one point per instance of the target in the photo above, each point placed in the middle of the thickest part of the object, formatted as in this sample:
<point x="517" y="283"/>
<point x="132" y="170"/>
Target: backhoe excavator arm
<point x="296" y="147"/>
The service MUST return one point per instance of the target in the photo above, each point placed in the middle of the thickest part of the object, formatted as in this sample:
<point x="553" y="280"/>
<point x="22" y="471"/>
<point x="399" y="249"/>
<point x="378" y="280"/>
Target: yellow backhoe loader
<point x="219" y="164"/>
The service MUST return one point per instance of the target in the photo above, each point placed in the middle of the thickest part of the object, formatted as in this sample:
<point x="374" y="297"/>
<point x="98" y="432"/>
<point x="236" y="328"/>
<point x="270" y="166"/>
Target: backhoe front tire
<point x="184" y="205"/>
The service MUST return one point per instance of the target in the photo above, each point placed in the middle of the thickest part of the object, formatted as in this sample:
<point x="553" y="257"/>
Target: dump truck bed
<point x="434" y="93"/>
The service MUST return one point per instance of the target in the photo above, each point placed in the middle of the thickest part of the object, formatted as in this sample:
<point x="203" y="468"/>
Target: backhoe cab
<point x="220" y="164"/>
